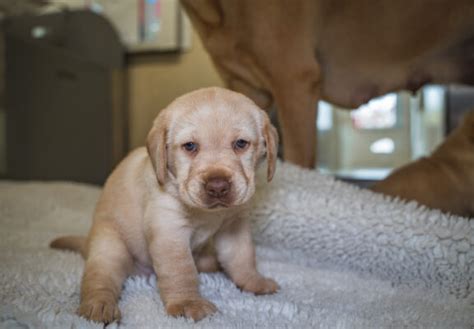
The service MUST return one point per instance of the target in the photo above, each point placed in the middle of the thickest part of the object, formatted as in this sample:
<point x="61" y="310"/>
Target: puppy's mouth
<point x="217" y="205"/>
<point x="209" y="203"/>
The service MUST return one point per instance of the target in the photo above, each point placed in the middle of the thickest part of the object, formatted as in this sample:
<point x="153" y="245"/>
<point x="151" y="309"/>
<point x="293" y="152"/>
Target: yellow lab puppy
<point x="178" y="208"/>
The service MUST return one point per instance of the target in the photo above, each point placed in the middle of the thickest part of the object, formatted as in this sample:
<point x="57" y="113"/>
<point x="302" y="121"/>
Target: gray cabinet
<point x="65" y="97"/>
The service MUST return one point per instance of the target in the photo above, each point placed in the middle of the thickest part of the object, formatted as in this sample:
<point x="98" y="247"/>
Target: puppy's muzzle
<point x="217" y="187"/>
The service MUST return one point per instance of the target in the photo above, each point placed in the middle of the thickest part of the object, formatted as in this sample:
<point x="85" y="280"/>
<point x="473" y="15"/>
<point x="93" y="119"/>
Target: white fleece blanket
<point x="344" y="257"/>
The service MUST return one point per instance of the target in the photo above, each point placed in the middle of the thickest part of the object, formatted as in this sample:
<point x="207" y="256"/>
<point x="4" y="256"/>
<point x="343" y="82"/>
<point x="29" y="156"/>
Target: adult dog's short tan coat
<point x="445" y="179"/>
<point x="294" y="53"/>
<point x="179" y="207"/>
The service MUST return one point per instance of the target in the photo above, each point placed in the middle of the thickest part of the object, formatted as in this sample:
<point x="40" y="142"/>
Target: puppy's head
<point x="208" y="143"/>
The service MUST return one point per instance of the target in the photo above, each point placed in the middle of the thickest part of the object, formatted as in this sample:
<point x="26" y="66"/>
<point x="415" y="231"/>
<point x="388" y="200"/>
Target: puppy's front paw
<point x="260" y="285"/>
<point x="195" y="309"/>
<point x="99" y="311"/>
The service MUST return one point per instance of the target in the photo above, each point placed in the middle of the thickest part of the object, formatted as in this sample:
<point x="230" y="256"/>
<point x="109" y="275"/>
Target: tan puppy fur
<point x="444" y="180"/>
<point x="294" y="53"/>
<point x="180" y="207"/>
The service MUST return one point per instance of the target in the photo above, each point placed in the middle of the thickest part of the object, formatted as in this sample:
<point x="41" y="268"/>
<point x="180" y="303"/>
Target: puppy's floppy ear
<point x="156" y="146"/>
<point x="270" y="135"/>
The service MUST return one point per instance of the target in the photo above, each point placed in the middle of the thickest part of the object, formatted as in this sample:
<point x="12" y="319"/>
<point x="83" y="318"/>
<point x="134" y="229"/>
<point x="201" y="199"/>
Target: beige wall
<point x="155" y="80"/>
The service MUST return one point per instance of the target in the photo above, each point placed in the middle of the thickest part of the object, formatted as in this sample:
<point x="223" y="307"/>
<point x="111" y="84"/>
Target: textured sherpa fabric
<point x="344" y="258"/>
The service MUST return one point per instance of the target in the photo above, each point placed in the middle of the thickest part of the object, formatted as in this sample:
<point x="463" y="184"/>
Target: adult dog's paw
<point x="99" y="310"/>
<point x="260" y="285"/>
<point x="195" y="309"/>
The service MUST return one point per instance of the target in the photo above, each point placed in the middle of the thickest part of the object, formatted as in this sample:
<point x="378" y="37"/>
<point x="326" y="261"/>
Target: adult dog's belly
<point x="354" y="85"/>
<point x="387" y="49"/>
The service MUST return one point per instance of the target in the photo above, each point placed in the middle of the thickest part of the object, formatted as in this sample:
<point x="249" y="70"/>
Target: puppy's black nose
<point x="217" y="187"/>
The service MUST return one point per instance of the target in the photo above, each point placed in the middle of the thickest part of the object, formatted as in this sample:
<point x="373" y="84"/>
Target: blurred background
<point x="82" y="80"/>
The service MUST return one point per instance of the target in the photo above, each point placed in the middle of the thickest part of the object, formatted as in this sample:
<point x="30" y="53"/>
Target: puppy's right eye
<point x="190" y="147"/>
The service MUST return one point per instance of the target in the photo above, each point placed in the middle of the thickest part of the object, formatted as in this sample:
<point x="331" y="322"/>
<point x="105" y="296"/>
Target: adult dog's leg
<point x="107" y="265"/>
<point x="296" y="100"/>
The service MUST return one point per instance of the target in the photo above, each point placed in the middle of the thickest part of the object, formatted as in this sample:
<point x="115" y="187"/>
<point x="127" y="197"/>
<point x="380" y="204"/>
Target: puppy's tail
<point x="72" y="242"/>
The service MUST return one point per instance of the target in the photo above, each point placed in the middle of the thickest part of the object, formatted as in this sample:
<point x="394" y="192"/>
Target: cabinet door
<point x="59" y="115"/>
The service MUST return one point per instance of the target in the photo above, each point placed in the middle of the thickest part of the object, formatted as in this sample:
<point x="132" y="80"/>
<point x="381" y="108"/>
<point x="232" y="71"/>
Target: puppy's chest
<point x="204" y="231"/>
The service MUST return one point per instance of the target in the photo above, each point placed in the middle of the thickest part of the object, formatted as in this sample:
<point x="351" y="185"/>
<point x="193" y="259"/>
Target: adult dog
<point x="346" y="52"/>
<point x="445" y="179"/>
<point x="180" y="207"/>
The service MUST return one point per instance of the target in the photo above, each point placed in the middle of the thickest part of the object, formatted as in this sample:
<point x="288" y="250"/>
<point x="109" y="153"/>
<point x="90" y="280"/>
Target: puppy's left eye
<point x="190" y="147"/>
<point x="241" y="144"/>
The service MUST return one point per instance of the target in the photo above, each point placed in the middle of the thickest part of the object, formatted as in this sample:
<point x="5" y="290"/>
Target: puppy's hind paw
<point x="207" y="264"/>
<point x="260" y="286"/>
<point x="195" y="309"/>
<point x="99" y="311"/>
